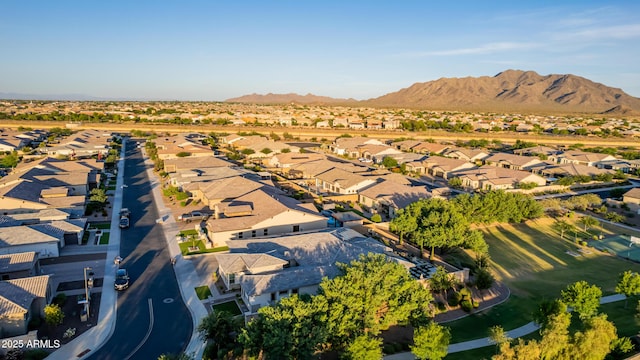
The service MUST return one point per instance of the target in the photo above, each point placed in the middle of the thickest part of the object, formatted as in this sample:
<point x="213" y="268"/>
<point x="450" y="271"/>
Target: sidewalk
<point x="513" y="334"/>
<point x="91" y="340"/>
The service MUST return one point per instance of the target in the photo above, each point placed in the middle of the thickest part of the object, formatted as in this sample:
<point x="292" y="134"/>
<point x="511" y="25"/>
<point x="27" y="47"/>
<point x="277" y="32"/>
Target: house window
<point x="253" y="233"/>
<point x="240" y="235"/>
<point x="232" y="278"/>
<point x="294" y="291"/>
<point x="273" y="296"/>
<point x="266" y="232"/>
<point x="296" y="228"/>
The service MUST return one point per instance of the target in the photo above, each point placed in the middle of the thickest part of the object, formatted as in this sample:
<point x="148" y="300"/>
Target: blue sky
<point x="215" y="50"/>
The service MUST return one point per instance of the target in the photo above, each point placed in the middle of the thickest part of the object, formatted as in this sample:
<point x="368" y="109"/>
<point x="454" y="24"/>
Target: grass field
<point x="104" y="239"/>
<point x="203" y="292"/>
<point x="532" y="260"/>
<point x="202" y="249"/>
<point x="229" y="306"/>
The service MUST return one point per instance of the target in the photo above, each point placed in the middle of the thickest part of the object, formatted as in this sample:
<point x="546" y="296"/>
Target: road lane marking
<point x="146" y="337"/>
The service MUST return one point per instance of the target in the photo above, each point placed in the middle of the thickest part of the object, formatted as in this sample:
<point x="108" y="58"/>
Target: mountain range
<point x="508" y="91"/>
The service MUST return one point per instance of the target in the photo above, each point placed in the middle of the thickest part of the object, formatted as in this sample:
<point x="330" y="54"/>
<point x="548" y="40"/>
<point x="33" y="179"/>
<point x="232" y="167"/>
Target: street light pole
<point x="87" y="286"/>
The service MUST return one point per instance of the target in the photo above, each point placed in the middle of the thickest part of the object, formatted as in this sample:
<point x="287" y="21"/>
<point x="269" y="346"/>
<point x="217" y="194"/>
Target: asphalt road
<point x="151" y="317"/>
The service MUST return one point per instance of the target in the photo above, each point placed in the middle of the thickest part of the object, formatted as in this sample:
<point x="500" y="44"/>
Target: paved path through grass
<point x="513" y="334"/>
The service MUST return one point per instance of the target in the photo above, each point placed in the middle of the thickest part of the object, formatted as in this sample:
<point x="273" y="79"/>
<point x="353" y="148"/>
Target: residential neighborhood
<point x="250" y="226"/>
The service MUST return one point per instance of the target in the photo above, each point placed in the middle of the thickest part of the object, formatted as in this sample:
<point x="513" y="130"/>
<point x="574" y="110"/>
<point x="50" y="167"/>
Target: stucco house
<point x="387" y="197"/>
<point x="496" y="178"/>
<point x="442" y="167"/>
<point x="44" y="240"/>
<point x="259" y="214"/>
<point x="511" y="161"/>
<point x="22" y="300"/>
<point x="581" y="157"/>
<point x="470" y="155"/>
<point x="632" y="199"/>
<point x="338" y="181"/>
<point x="19" y="265"/>
<point x="268" y="270"/>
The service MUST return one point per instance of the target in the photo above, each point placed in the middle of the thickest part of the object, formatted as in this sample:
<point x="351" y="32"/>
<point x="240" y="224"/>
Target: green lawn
<point x="104" y="239"/>
<point x="203" y="292"/>
<point x="531" y="259"/>
<point x="190" y="232"/>
<point x="184" y="248"/>
<point x="229" y="306"/>
<point x="100" y="225"/>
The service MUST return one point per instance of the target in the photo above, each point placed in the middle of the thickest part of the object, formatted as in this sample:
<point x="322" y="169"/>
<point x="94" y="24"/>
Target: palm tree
<point x="588" y="222"/>
<point x="563" y="226"/>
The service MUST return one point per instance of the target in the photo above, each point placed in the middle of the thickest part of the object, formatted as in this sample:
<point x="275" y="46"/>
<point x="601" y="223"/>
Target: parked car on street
<point x="193" y="216"/>
<point x="122" y="279"/>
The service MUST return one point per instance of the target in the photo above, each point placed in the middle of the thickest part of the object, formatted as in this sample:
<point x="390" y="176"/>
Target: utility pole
<point x="88" y="284"/>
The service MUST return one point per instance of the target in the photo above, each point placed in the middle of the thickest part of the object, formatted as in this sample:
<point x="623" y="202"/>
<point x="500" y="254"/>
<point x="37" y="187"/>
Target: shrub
<point x="389" y="349"/>
<point x="454" y="299"/>
<point x="466" y="305"/>
<point x="465" y="293"/>
<point x="53" y="315"/>
<point x="183" y="203"/>
<point x="60" y="299"/>
<point x="376" y="218"/>
<point x="441" y="306"/>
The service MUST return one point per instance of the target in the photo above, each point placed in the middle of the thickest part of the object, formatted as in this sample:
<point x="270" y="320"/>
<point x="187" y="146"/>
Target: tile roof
<point x="633" y="193"/>
<point x="16" y="296"/>
<point x="21" y="235"/>
<point x="17" y="262"/>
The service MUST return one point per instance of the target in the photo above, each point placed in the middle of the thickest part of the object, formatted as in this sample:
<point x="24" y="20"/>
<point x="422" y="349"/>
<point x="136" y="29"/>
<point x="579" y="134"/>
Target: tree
<point x="562" y="226"/>
<point x="364" y="347"/>
<point x="440" y="224"/>
<point x="431" y="341"/>
<point x="595" y="342"/>
<point x="555" y="335"/>
<point x="266" y="151"/>
<point x="614" y="217"/>
<point x="183" y="154"/>
<point x="441" y="281"/>
<point x="53" y="315"/>
<point x="582" y="298"/>
<point x="292" y="329"/>
<point x="588" y="222"/>
<point x="98" y="195"/>
<point x="628" y="285"/>
<point x="484" y="280"/>
<point x="181" y="356"/>
<point x="404" y="223"/>
<point x="498" y="336"/>
<point x="455" y="182"/>
<point x="372" y="294"/>
<point x="10" y="161"/>
<point x="389" y="162"/>
<point x="546" y="310"/>
<point x="219" y="326"/>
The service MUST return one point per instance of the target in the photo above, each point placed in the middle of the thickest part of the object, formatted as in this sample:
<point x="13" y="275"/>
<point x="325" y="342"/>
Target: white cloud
<point x="489" y="48"/>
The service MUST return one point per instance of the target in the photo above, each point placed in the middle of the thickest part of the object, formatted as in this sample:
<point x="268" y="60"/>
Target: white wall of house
<point x="44" y="249"/>
<point x="282" y="223"/>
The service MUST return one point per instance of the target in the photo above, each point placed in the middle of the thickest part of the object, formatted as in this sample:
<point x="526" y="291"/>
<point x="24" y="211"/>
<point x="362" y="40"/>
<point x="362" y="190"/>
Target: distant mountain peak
<point x="513" y="90"/>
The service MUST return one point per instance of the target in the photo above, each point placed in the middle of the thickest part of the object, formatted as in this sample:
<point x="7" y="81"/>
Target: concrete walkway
<point x="513" y="334"/>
